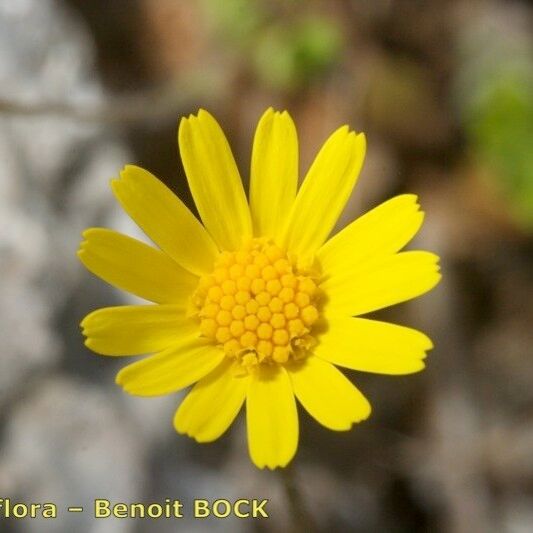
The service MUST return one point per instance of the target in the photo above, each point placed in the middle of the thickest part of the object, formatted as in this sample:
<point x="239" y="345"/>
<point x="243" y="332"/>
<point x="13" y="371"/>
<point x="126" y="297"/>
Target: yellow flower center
<point x="257" y="305"/>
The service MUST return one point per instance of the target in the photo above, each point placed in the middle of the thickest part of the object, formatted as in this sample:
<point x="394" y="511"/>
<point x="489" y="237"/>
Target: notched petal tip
<point x="138" y="391"/>
<point x="119" y="380"/>
<point x="129" y="171"/>
<point x="422" y="365"/>
<point x="408" y="198"/>
<point x="268" y="113"/>
<point x="90" y="345"/>
<point x="282" y="464"/>
<point x="186" y="129"/>
<point x="434" y="257"/>
<point x="183" y="127"/>
<point x="360" y="142"/>
<point x="192" y="116"/>
<point x="199" y="438"/>
<point x="92" y="318"/>
<point x="344" y="129"/>
<point x="177" y="423"/>
<point x="355" y="420"/>
<point x="270" y="465"/>
<point x="84" y="322"/>
<point x="428" y="344"/>
<point x="410" y="202"/>
<point x="362" y="411"/>
<point x="82" y="253"/>
<point x="93" y="232"/>
<point x="116" y="181"/>
<point x="204" y="116"/>
<point x="405" y="201"/>
<point x="366" y="416"/>
<point x="180" y="424"/>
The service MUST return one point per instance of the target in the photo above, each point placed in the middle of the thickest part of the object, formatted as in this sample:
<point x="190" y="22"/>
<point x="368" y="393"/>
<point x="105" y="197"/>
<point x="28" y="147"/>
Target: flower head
<point x="254" y="305"/>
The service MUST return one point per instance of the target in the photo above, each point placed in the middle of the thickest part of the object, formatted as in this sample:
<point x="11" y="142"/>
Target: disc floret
<point x="257" y="305"/>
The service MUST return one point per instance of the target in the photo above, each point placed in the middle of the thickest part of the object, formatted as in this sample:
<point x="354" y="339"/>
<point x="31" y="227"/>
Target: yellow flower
<point x="256" y="305"/>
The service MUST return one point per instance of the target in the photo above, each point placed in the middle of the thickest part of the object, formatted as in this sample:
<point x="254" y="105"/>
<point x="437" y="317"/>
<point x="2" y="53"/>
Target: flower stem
<point x="302" y="521"/>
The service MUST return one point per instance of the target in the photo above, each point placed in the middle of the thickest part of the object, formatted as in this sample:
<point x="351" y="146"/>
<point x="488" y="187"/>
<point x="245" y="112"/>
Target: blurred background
<point x="443" y="90"/>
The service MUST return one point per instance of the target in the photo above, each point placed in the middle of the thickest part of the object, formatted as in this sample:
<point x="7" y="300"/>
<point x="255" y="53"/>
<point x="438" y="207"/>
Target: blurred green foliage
<point x="290" y="56"/>
<point x="236" y="20"/>
<point x="284" y="50"/>
<point x="497" y="94"/>
<point x="501" y="127"/>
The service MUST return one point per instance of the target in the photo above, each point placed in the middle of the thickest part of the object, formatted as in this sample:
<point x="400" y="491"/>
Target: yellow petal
<point x="271" y="418"/>
<point x="170" y="370"/>
<point x="135" y="267"/>
<point x="165" y="219"/>
<point x="327" y="395"/>
<point x="137" y="329"/>
<point x="212" y="405"/>
<point x="274" y="173"/>
<point x="324" y="192"/>
<point x="373" y="346"/>
<point x="388" y="281"/>
<point x="382" y="231"/>
<point x="214" y="180"/>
